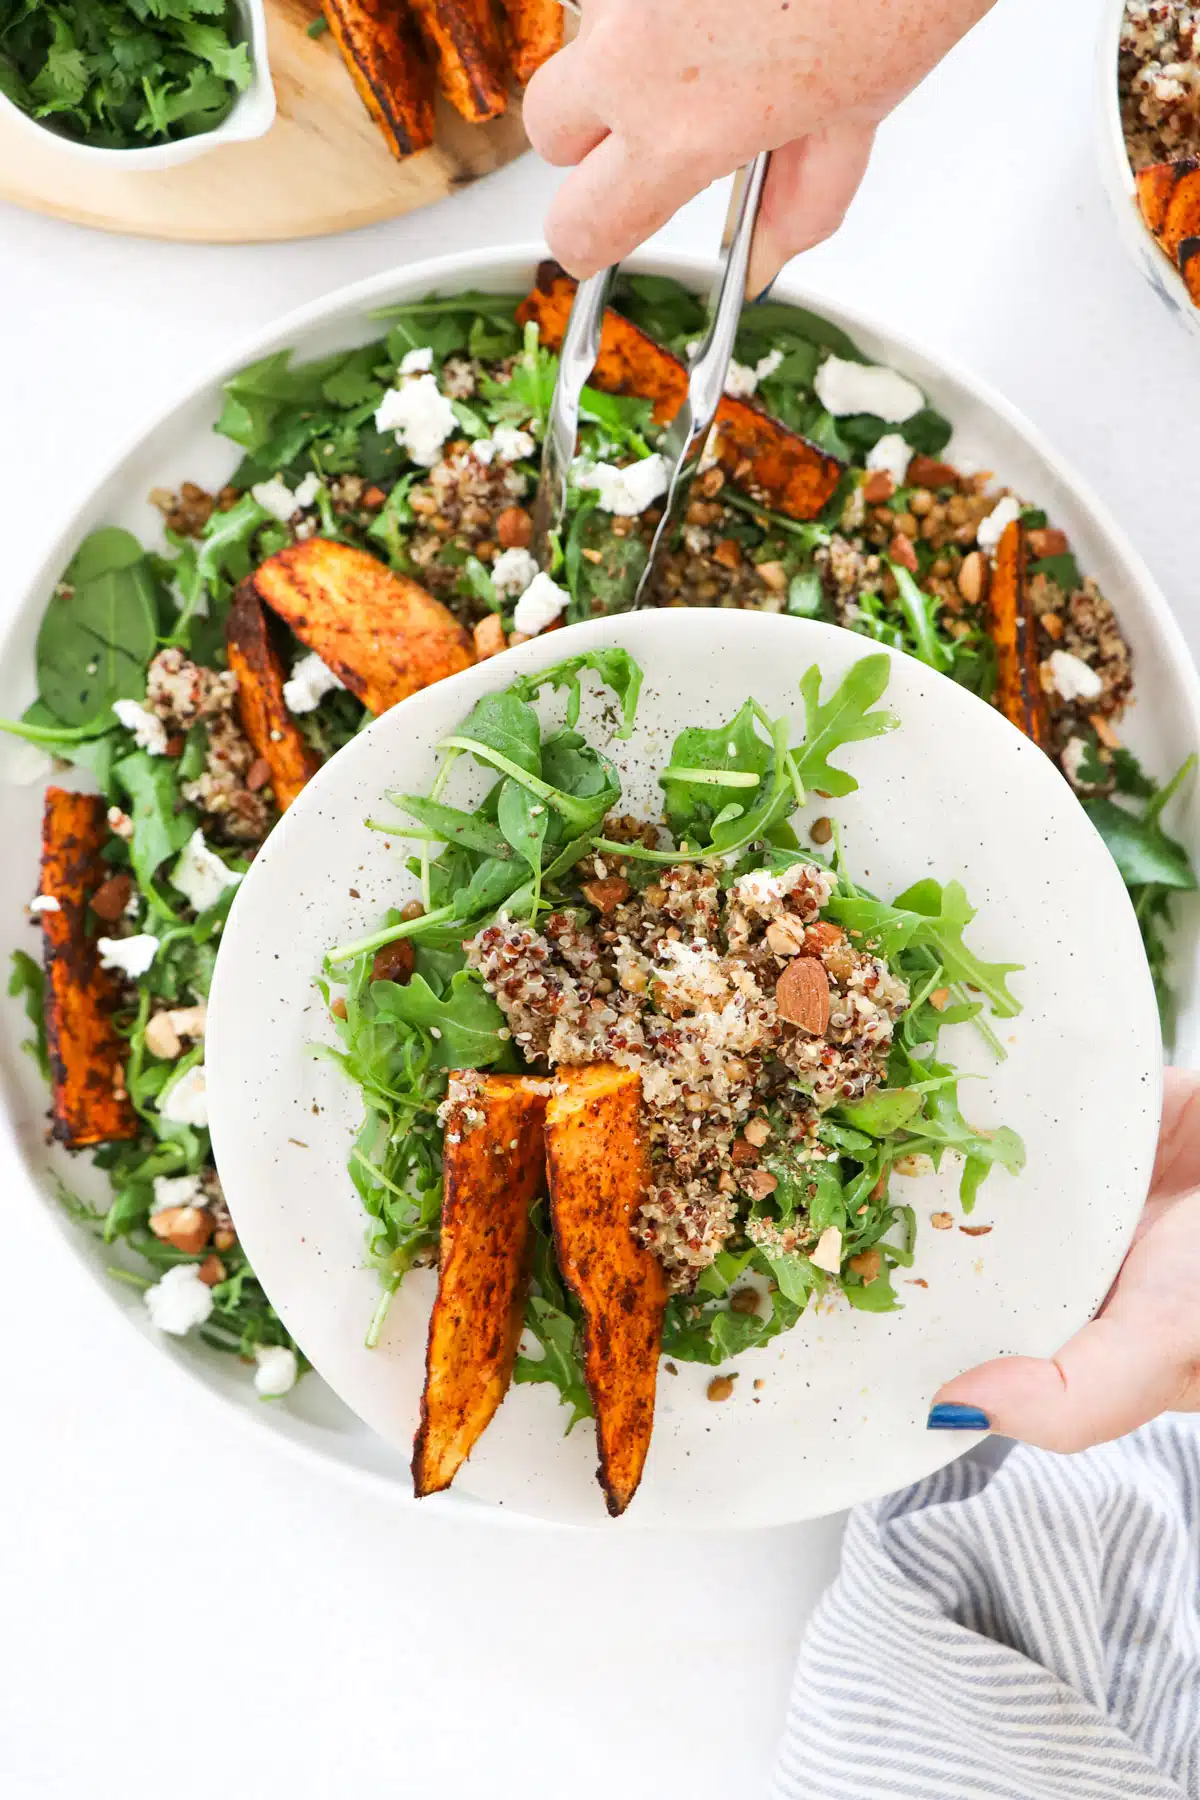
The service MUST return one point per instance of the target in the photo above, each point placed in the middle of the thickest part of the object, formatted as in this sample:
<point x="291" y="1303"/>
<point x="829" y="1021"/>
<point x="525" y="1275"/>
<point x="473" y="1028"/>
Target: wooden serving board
<point x="322" y="167"/>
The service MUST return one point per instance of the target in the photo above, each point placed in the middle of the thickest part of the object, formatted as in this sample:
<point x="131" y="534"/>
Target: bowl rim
<point x="251" y="116"/>
<point x="455" y="271"/>
<point x="1117" y="174"/>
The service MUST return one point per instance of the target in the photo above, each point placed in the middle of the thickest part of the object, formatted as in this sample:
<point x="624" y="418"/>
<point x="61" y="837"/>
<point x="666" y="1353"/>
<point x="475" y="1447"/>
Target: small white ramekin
<point x="252" y="115"/>
<point x="1116" y="173"/>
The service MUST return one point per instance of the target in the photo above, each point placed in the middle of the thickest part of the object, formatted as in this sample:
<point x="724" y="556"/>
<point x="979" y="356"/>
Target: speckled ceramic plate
<point x="841" y="1411"/>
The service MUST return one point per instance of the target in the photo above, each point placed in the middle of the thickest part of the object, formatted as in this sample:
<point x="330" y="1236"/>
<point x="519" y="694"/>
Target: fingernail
<point x="758" y="298"/>
<point x="946" y="1416"/>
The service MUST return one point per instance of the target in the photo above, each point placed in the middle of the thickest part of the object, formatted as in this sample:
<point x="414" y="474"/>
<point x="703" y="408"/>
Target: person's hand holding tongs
<point x="684" y="440"/>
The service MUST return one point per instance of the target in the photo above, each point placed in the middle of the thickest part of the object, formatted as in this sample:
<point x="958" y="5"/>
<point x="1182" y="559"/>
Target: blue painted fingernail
<point x="766" y="293"/>
<point x="946" y="1416"/>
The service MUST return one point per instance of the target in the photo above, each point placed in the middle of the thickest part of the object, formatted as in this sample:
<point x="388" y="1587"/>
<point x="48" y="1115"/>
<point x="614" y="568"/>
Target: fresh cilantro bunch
<point x="123" y="74"/>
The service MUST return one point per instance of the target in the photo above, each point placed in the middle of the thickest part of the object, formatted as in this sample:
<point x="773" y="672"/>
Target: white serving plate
<point x="1116" y="172"/>
<point x="251" y="116"/>
<point x="1163" y="729"/>
<point x="840" y="1417"/>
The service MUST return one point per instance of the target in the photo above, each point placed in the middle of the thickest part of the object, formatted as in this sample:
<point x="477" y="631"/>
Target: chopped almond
<point x="756" y="1132"/>
<point x="939" y="999"/>
<point x="941" y="1221"/>
<point x="802" y="995"/>
<point x="926" y="471"/>
<point x="607" y="894"/>
<point x="866" y="1265"/>
<point x="728" y="553"/>
<point x="974" y="1230"/>
<point x="187" y="1228"/>
<point x="1048" y="543"/>
<point x="1052" y="625"/>
<point x="1104" y="731"/>
<point x="743" y="1153"/>
<point x="489" y="637"/>
<point x="902" y="550"/>
<point x="785" y="937"/>
<point x="822" y="935"/>
<point x="758" y="1183"/>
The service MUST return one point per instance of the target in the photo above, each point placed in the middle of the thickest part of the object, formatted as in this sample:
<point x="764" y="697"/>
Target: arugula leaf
<point x="523" y="822"/>
<point x="504" y="724"/>
<point x="27" y="982"/>
<point x="738" y="748"/>
<point x="616" y="669"/>
<point x="846" y="718"/>
<point x="463" y="1023"/>
<point x="561" y="1361"/>
<point x="469" y="831"/>
<point x="920" y="609"/>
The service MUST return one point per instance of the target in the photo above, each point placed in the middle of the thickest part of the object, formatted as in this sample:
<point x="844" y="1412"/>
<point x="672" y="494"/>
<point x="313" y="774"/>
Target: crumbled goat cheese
<point x="180" y="1300"/>
<point x="850" y="387"/>
<point x="276" y="1372"/>
<point x="44" y="903"/>
<point x="626" y="492"/>
<point x="828" y="1253"/>
<point x="512" y="572"/>
<point x="541" y="603"/>
<point x="484" y="451"/>
<point x="741" y="382"/>
<point x="308" y="490"/>
<point x="176" y="1190"/>
<point x="131" y="956"/>
<point x="1072" y="678"/>
<point x="200" y="875"/>
<point x="1074" y="752"/>
<point x="511" y="444"/>
<point x="993" y="528"/>
<point x="276" y="498"/>
<point x="149" y="732"/>
<point x="417" y="362"/>
<point x="891" y="455"/>
<point x="421" y="417"/>
<point x="308" y="684"/>
<point x="186" y="1103"/>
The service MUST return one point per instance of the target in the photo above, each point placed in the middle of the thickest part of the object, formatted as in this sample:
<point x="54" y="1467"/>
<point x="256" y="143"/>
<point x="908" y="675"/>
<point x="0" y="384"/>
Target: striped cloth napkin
<point x="1021" y="1631"/>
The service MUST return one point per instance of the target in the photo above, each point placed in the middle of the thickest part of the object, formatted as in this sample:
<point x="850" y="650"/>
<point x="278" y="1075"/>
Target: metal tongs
<point x="708" y="366"/>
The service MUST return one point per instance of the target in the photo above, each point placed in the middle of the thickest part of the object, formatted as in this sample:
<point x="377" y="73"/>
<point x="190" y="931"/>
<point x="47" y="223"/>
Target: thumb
<point x="810" y="184"/>
<point x="1110" y="1378"/>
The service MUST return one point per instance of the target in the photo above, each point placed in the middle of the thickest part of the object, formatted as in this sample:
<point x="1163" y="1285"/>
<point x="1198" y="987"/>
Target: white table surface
<point x="184" y="1609"/>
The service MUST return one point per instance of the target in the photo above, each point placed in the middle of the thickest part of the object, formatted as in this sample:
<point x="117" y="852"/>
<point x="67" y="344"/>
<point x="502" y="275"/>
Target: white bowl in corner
<point x="252" y="115"/>
<point x="1116" y="172"/>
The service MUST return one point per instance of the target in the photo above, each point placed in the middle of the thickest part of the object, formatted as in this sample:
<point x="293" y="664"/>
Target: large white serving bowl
<point x="1164" y="728"/>
<point x="1116" y="173"/>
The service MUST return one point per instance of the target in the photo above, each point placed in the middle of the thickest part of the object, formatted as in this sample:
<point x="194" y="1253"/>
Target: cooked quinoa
<point x="1159" y="80"/>
<point x="679" y="981"/>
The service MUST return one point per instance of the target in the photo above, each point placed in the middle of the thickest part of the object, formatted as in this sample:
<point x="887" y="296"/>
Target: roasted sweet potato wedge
<point x="266" y="721"/>
<point x="770" y="462"/>
<point x="1182" y="217"/>
<point x="535" y="32"/>
<point x="465" y="38"/>
<point x="598" y="1170"/>
<point x="1189" y="266"/>
<point x="1013" y="629"/>
<point x="389" y="67"/>
<point x="87" y="1058"/>
<point x="1154" y="186"/>
<point x="381" y="634"/>
<point x="493" y="1168"/>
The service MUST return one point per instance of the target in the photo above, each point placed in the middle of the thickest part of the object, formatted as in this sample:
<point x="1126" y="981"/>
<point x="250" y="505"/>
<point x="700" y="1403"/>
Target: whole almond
<point x="971" y="577"/>
<point x="902" y="551"/>
<point x="802" y="995"/>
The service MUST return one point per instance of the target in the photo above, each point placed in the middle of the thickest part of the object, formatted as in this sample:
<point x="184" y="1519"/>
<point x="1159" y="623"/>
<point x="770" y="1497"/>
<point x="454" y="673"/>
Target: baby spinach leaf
<point x="98" y="635"/>
<point x="886" y="1111"/>
<point x="503" y="723"/>
<point x="1140" y="848"/>
<point x="162" y="824"/>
